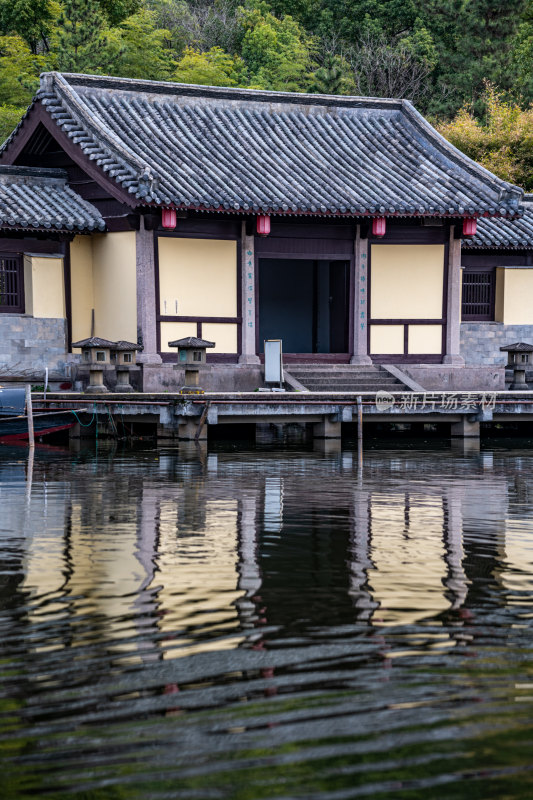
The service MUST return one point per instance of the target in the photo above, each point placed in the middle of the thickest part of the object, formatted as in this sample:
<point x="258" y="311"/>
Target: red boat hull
<point x="19" y="437"/>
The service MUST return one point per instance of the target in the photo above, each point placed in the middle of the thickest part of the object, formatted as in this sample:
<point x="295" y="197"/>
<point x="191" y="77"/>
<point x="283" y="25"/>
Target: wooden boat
<point x="14" y="420"/>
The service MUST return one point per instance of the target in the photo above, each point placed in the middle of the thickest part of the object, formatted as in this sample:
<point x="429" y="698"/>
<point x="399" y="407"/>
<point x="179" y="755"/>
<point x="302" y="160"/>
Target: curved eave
<point x="498" y="248"/>
<point x="370" y="214"/>
<point x="50" y="229"/>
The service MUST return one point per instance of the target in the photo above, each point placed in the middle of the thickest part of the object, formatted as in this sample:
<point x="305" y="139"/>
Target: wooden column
<point x="248" y="298"/>
<point x="361" y="302"/>
<point x="452" y="353"/>
<point x="146" y="299"/>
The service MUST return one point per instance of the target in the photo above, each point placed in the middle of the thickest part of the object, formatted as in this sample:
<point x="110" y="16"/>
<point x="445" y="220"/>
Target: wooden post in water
<point x="359" y="431"/>
<point x="29" y="413"/>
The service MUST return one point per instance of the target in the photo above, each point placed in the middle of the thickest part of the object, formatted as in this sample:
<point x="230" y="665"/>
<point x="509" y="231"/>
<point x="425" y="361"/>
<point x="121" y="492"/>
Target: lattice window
<point x="478" y="295"/>
<point x="11" y="288"/>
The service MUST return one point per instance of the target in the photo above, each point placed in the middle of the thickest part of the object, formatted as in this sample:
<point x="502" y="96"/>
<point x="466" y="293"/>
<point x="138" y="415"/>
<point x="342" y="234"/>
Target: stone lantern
<point x="519" y="357"/>
<point x="124" y="354"/>
<point x="96" y="355"/>
<point x="191" y="356"/>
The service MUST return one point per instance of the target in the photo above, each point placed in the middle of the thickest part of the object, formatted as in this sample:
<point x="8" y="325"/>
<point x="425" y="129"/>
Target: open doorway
<point x="305" y="303"/>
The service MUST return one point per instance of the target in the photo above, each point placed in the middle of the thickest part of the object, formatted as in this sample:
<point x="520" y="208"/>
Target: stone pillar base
<point x="465" y="429"/>
<point x="361" y="359"/>
<point x="249" y="359"/>
<point x="454" y="360"/>
<point x="149" y="358"/>
<point x="327" y="430"/>
<point x="96" y="389"/>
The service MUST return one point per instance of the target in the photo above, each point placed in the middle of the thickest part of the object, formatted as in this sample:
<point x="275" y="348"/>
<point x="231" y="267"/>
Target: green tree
<point x="118" y="10"/>
<point x="351" y="19"/>
<point x="19" y="78"/>
<point x="176" y="17"/>
<point x="332" y="77"/>
<point x="523" y="52"/>
<point x="502" y="142"/>
<point x="137" y="49"/>
<point x="19" y="71"/>
<point x="212" y="68"/>
<point x="9" y="118"/>
<point x="277" y="52"/>
<point x="82" y="44"/>
<point x="474" y="42"/>
<point x="31" y="19"/>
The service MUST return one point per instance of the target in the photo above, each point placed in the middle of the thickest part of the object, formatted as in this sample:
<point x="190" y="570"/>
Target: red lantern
<point x="263" y="225"/>
<point x="379" y="226"/>
<point x="168" y="218"/>
<point x="469" y="227"/>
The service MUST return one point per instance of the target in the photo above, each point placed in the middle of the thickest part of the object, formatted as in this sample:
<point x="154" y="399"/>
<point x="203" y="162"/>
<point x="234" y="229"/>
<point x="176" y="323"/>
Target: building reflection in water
<point x="180" y="551"/>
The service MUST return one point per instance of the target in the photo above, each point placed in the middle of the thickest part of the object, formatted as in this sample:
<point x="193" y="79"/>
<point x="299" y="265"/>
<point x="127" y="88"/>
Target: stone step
<point x="354" y="387"/>
<point x="350" y="387"/>
<point x="339" y="373"/>
<point x="312" y="376"/>
<point x="359" y="382"/>
<point x="352" y="368"/>
<point x="344" y="378"/>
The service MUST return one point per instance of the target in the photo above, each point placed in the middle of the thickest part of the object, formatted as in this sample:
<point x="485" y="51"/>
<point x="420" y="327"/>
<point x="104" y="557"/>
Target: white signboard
<point x="273" y="361"/>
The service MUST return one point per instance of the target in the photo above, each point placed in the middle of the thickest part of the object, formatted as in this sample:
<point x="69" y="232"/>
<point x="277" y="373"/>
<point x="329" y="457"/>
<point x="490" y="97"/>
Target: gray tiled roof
<point x="40" y="198"/>
<point x="505" y="234"/>
<point x="94" y="341"/>
<point x="240" y="150"/>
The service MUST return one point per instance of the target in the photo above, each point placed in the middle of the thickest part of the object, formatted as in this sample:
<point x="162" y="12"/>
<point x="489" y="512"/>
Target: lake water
<point x="246" y="622"/>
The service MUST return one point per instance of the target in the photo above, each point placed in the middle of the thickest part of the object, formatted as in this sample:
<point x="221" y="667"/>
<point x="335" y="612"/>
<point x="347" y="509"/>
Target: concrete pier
<point x="322" y="414"/>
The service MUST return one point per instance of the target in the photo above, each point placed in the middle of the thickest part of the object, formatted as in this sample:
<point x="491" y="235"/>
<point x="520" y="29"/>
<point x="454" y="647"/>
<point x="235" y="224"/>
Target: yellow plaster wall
<point x="189" y="587"/>
<point x="223" y="334"/>
<point x="170" y="331"/>
<point x="197" y="277"/>
<point x="425" y="339"/>
<point x="514" y="305"/>
<point x="81" y="286"/>
<point x="44" y="287"/>
<point x="386" y="339"/>
<point x="406" y="281"/>
<point x="115" y="285"/>
<point x="406" y="542"/>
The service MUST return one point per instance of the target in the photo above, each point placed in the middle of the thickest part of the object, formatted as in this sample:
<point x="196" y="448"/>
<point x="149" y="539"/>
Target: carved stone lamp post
<point x="519" y="356"/>
<point x="192" y="356"/>
<point x="95" y="354"/>
<point x="124" y="355"/>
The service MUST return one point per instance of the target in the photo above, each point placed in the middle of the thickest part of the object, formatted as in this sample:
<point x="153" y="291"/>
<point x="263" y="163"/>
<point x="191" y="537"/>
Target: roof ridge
<point x="225" y="92"/>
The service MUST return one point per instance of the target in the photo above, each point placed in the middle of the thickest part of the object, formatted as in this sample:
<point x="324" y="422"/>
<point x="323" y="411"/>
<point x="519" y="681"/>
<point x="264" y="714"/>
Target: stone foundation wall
<point x="28" y="345"/>
<point x="481" y="341"/>
<point x="216" y="378"/>
<point x="441" y="377"/>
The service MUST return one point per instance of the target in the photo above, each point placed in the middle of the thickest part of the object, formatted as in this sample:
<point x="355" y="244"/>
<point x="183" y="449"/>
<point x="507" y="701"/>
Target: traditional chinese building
<point x="39" y="216"/>
<point x="497" y="299"/>
<point x="332" y="223"/>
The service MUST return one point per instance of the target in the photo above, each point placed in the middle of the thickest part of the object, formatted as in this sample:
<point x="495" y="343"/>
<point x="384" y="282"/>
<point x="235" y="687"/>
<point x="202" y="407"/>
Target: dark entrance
<point x="305" y="303"/>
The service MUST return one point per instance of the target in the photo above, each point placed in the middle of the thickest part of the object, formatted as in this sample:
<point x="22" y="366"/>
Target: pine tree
<point x="474" y="42"/>
<point x="330" y="77"/>
<point x="82" y="43"/>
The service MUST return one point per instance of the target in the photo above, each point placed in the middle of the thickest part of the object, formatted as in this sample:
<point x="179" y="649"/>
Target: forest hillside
<point x="466" y="64"/>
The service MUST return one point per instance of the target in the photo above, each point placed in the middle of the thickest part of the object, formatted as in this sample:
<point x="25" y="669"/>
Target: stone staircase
<point x="344" y="378"/>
